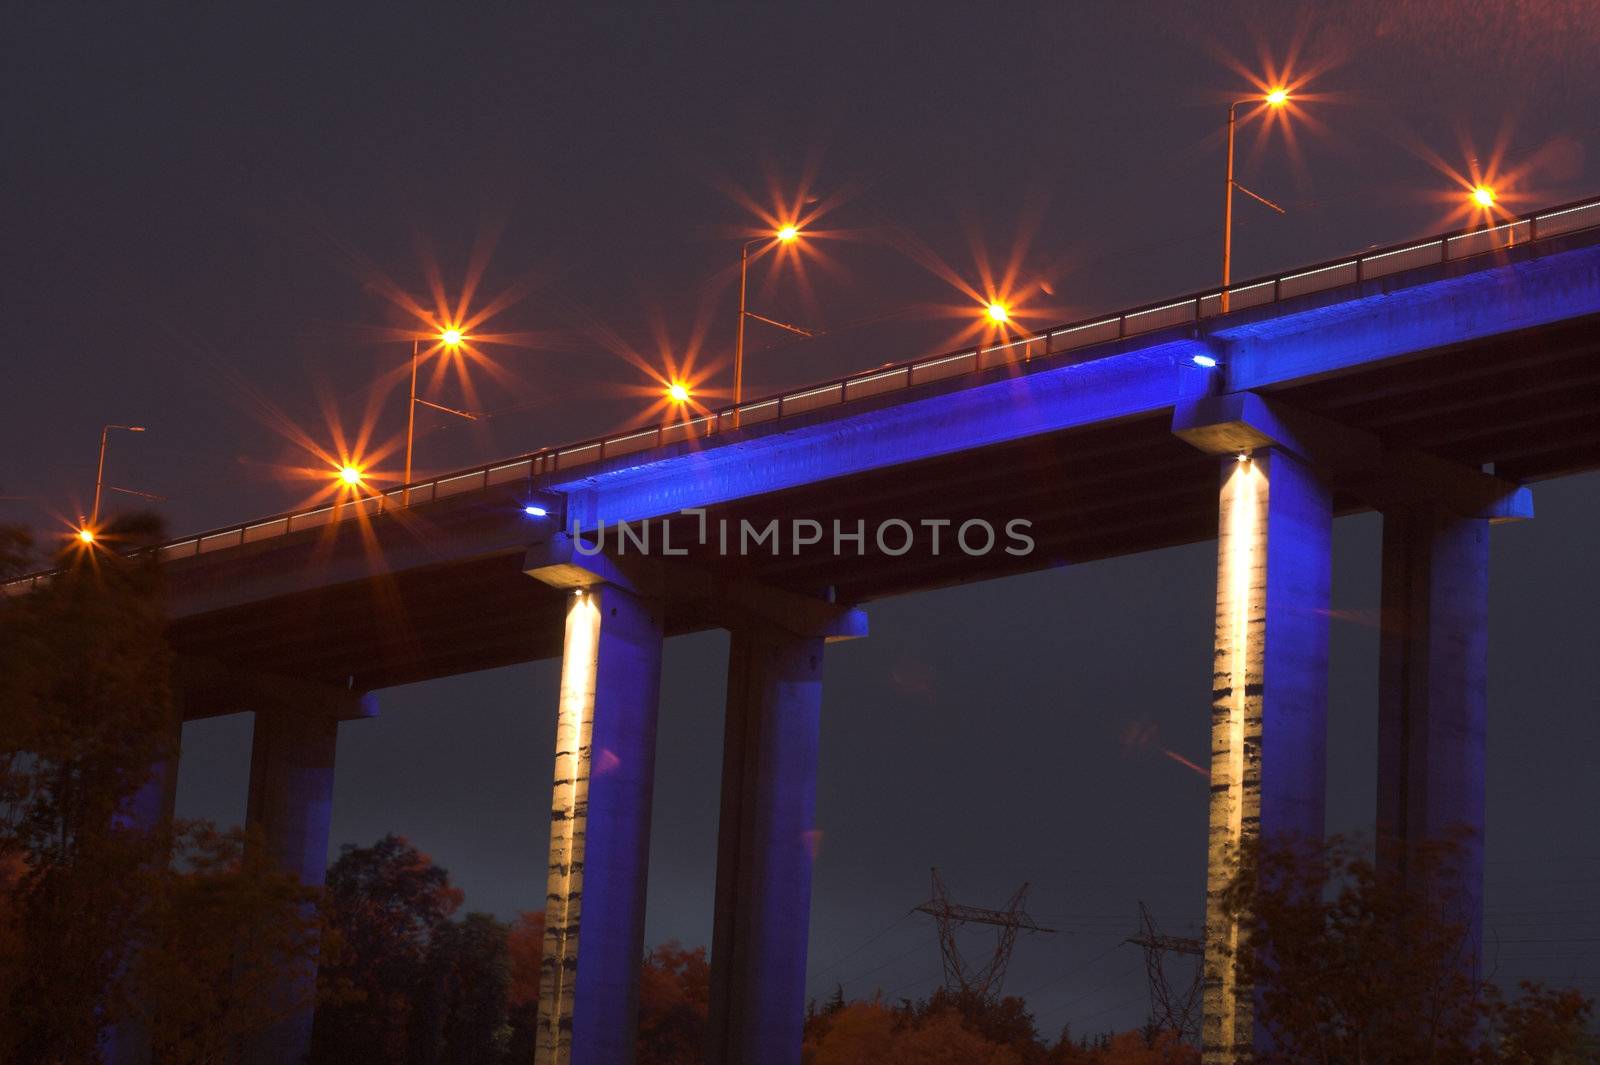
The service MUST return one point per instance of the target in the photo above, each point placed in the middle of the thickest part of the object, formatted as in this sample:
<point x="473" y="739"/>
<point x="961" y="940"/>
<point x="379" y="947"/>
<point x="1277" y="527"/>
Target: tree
<point x="871" y="1033"/>
<point x="862" y="1033"/>
<point x="225" y="925"/>
<point x="525" y="946"/>
<point x="1162" y="1047"/>
<point x="458" y="1016"/>
<point x="1542" y="1027"/>
<point x="384" y="903"/>
<point x="674" y="1000"/>
<point x="1001" y="1020"/>
<point x="1354" y="964"/>
<point x="85" y="713"/>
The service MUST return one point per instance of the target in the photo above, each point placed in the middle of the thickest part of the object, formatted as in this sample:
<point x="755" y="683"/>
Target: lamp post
<point x="450" y="338"/>
<point x="785" y="235"/>
<point x="100" y="471"/>
<point x="1274" y="99"/>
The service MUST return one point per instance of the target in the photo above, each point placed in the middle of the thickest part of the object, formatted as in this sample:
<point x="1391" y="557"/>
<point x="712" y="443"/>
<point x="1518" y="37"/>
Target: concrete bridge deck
<point x="1488" y="359"/>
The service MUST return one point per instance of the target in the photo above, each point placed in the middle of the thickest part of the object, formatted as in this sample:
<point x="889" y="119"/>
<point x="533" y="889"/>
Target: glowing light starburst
<point x="1001" y="299"/>
<point x="1279" y="95"/>
<point x="1486" y="190"/>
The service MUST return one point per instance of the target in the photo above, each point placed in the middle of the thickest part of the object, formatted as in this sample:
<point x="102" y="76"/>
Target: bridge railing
<point x="1050" y="343"/>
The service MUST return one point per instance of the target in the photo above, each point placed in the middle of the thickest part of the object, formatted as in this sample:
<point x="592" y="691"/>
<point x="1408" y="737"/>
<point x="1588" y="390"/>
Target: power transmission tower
<point x="959" y="974"/>
<point x="1174" y="1012"/>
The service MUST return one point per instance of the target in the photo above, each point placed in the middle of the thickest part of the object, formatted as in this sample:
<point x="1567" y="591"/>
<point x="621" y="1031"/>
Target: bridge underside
<point x="1527" y="402"/>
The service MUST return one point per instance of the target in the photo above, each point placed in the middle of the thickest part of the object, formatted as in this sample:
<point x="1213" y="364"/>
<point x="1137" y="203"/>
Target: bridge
<point x="1431" y="381"/>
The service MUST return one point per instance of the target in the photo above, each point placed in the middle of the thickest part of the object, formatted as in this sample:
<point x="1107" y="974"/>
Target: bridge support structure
<point x="148" y="811"/>
<point x="1432" y="679"/>
<point x="766" y="843"/>
<point x="1269" y="692"/>
<point x="599" y="817"/>
<point x="1269" y="702"/>
<point x="290" y="813"/>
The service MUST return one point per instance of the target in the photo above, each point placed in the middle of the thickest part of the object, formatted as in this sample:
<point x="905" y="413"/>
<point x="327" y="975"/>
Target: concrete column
<point x="291" y="804"/>
<point x="1432" y="676"/>
<point x="600" y="829"/>
<point x="1268" y="703"/>
<point x="149" y="810"/>
<point x="765" y="847"/>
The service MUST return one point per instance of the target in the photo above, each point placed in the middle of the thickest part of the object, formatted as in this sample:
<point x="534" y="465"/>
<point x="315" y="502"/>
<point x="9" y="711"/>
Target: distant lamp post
<point x="1484" y="197"/>
<point x="451" y="338"/>
<point x="679" y="393"/>
<point x="351" y="475"/>
<point x="998" y="313"/>
<point x="1274" y="99"/>
<point x="100" y="478"/>
<point x="784" y="235"/>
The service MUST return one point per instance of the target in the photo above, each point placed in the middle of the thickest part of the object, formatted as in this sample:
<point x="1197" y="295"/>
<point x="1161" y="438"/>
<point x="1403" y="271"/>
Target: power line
<point x="1073" y="971"/>
<point x="870" y="940"/>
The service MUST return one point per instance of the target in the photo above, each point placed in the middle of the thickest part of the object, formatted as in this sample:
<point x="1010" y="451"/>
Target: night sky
<point x="207" y="219"/>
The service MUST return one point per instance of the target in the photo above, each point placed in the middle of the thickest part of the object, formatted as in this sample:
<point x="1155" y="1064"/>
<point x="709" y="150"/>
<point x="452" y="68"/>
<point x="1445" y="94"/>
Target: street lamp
<point x="1274" y="99"/>
<point x="784" y="235"/>
<point x="678" y="392"/>
<point x="100" y="475"/>
<point x="1483" y="196"/>
<point x="998" y="313"/>
<point x="450" y="338"/>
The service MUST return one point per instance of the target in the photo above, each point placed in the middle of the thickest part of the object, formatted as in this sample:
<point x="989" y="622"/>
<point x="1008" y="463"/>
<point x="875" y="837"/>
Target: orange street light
<point x="100" y="470"/>
<point x="1483" y="196"/>
<point x="350" y="475"/>
<point x="1276" y="98"/>
<point x="86" y="535"/>
<point x="678" y="392"/>
<point x="998" y="313"/>
<point x="787" y="234"/>
<point x="450" y="338"/>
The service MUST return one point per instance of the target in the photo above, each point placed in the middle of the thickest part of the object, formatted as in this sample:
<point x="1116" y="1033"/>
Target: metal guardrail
<point x="1446" y="247"/>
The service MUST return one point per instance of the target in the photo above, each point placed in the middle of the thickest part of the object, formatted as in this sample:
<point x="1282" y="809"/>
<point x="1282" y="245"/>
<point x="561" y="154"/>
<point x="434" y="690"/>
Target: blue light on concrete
<point x="1381" y="319"/>
<point x="1144" y="380"/>
<point x="1380" y="324"/>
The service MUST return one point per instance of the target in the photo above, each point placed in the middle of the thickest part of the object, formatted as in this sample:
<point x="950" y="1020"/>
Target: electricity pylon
<point x="1174" y="1012"/>
<point x="959" y="974"/>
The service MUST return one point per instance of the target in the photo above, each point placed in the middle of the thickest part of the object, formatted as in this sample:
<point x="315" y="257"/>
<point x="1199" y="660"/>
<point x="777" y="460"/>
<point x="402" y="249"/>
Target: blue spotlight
<point x="1204" y="360"/>
<point x="533" y="511"/>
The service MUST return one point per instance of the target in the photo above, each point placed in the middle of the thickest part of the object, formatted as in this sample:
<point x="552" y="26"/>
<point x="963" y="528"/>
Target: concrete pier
<point x="291" y="806"/>
<point x="765" y="847"/>
<point x="149" y="810"/>
<point x="600" y="829"/>
<point x="1432" y="677"/>
<point x="1269" y="700"/>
